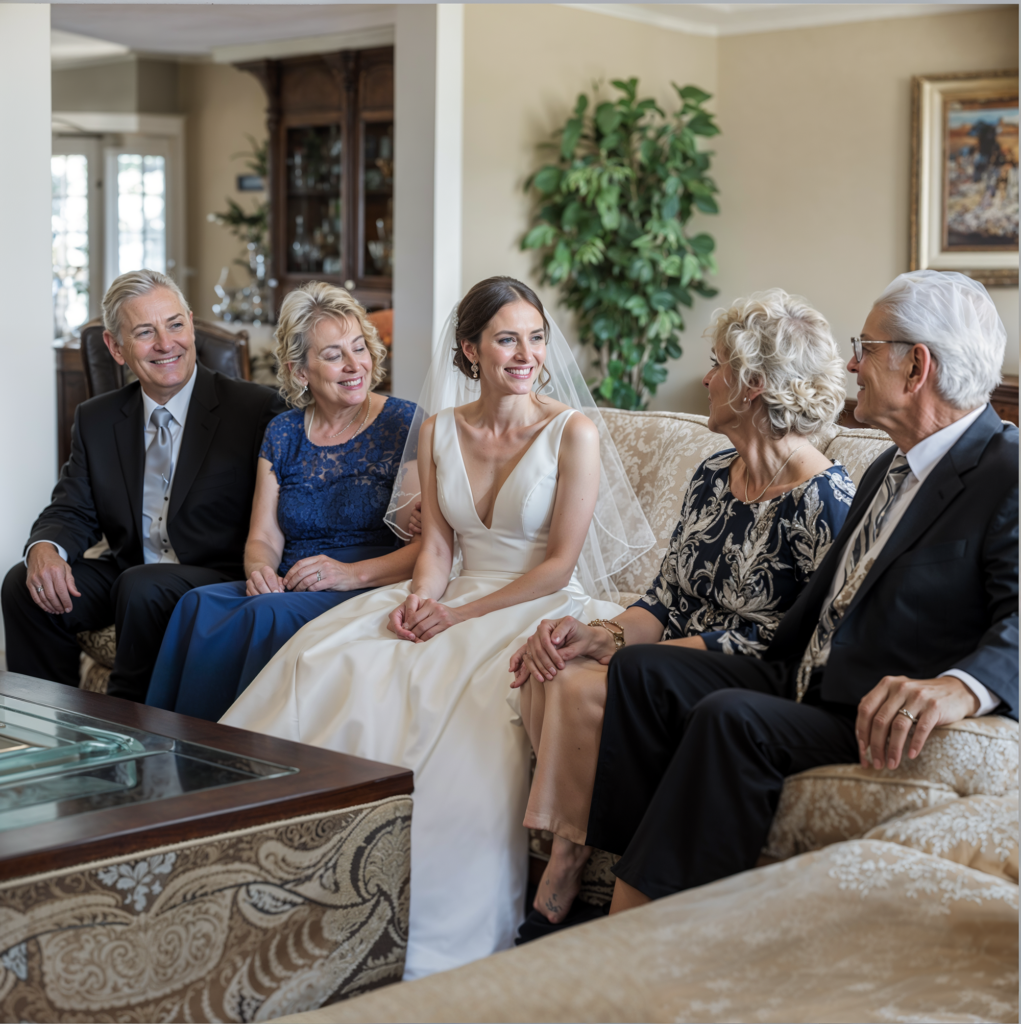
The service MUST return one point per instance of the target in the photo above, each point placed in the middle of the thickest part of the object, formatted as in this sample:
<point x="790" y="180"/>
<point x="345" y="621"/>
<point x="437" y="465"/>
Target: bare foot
<point x="561" y="880"/>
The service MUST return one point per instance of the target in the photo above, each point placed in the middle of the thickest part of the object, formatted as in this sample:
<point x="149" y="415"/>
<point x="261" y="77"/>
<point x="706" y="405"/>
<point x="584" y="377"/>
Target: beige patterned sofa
<point x="895" y="897"/>
<point x="660" y="451"/>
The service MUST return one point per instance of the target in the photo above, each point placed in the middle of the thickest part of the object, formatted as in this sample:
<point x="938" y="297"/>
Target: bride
<point x="528" y="495"/>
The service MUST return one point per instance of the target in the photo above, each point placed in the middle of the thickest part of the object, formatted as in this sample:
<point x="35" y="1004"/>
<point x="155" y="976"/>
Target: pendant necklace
<point x="771" y="482"/>
<point x="347" y="426"/>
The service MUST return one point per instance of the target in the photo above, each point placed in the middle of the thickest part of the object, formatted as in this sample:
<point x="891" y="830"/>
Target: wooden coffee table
<point x="308" y="780"/>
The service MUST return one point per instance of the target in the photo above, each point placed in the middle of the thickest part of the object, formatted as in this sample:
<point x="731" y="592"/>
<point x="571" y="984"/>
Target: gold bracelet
<point x="617" y="633"/>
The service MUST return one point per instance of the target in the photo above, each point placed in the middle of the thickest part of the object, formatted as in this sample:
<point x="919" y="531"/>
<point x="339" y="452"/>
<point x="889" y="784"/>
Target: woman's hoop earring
<point x="475" y="371"/>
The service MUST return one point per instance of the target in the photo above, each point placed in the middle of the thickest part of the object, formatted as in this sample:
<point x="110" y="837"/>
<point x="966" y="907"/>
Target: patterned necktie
<point x="856" y="568"/>
<point x="159" y="470"/>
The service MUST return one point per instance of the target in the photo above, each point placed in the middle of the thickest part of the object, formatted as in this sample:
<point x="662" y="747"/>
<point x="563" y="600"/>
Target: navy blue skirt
<point x="219" y="640"/>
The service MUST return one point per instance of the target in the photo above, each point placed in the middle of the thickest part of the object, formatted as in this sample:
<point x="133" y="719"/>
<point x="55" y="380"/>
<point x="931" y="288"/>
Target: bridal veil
<point x="619" y="531"/>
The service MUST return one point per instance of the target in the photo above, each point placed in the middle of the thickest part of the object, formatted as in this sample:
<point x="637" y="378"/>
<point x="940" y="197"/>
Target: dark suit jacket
<point x="100" y="487"/>
<point x="943" y="593"/>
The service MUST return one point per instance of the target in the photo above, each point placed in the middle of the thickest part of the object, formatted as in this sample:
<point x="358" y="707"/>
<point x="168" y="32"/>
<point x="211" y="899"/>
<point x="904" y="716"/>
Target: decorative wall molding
<point x="708" y="19"/>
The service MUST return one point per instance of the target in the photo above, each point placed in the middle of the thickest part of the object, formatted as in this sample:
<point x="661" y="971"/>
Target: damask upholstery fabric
<point x="863" y="930"/>
<point x="836" y="802"/>
<point x="978" y="831"/>
<point x="242" y="926"/>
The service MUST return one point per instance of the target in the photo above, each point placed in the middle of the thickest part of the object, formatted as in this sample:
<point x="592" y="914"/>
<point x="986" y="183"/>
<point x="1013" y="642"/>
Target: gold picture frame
<point x="964" y="174"/>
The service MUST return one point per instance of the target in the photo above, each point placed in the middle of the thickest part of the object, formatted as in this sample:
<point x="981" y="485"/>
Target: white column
<point x="428" y="129"/>
<point x="28" y="429"/>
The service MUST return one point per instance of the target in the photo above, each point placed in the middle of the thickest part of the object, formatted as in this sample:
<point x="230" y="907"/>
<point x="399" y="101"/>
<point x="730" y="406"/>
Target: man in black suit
<point x="910" y="622"/>
<point x="164" y="468"/>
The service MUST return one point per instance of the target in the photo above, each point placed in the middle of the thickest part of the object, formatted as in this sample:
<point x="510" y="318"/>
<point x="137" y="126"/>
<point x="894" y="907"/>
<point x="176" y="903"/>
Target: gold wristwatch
<point x="615" y="629"/>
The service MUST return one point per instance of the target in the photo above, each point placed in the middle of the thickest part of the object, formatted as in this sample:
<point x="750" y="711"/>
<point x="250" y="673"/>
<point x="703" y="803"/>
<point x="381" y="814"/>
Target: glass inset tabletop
<point x="56" y="763"/>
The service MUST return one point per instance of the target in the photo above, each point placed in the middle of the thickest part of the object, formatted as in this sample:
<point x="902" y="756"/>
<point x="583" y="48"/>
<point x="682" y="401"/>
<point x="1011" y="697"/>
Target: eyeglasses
<point x="859" y="351"/>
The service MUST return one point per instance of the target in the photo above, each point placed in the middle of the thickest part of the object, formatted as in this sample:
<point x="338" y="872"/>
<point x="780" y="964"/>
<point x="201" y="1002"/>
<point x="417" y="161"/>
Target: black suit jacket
<point x="943" y="592"/>
<point x="100" y="487"/>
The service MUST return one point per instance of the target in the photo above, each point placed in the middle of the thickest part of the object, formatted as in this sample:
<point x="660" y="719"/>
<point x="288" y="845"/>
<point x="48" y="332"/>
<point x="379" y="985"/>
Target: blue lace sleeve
<point x="277" y="430"/>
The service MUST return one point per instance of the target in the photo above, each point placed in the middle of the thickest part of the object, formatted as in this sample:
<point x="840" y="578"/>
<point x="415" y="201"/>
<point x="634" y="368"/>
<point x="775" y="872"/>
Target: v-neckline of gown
<point x="524" y="455"/>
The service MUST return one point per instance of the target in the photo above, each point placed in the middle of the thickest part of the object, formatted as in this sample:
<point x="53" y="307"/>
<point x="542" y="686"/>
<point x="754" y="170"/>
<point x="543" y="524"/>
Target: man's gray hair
<point x="130" y="286"/>
<point x="955" y="318"/>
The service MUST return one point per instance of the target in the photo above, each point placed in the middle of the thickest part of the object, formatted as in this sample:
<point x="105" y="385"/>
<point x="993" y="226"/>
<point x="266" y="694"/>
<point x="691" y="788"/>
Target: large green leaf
<point x="607" y="118"/>
<point x="571" y="137"/>
<point x="539" y="237"/>
<point x="702" y="244"/>
<point x="694" y="94"/>
<point x="547" y="180"/>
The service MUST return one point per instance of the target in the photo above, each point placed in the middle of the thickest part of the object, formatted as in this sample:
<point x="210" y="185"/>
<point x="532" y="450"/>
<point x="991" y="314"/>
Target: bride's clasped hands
<point x="421" y="618"/>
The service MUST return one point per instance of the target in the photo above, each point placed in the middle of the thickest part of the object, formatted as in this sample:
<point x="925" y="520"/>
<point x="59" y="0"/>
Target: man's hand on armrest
<point x="881" y="728"/>
<point x="50" y="580"/>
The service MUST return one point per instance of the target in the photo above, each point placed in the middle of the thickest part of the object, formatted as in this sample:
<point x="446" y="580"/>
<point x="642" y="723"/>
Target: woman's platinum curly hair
<point x="780" y="343"/>
<point x="300" y="312"/>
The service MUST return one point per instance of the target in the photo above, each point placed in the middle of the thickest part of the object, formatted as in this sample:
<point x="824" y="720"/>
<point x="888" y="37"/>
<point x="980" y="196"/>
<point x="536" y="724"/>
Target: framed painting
<point x="964" y="175"/>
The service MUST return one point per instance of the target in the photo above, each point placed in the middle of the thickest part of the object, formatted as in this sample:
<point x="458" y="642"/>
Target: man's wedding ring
<point x="319" y="576"/>
<point x="907" y="714"/>
<point x="38" y="590"/>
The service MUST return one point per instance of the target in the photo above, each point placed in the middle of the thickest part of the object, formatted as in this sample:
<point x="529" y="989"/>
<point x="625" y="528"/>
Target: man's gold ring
<point x="907" y="714"/>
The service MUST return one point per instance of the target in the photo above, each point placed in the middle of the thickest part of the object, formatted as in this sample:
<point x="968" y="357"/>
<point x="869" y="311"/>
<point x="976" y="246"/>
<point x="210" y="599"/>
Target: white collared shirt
<point x="922" y="460"/>
<point x="178" y="408"/>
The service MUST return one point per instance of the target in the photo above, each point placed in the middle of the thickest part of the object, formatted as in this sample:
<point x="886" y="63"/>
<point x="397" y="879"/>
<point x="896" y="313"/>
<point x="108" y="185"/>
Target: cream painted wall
<point x="813" y="162"/>
<point x="222" y="106"/>
<point x="28" y="453"/>
<point x="524" y="67"/>
<point x="814" y="159"/>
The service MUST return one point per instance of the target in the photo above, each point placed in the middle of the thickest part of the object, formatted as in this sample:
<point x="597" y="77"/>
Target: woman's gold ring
<point x="907" y="714"/>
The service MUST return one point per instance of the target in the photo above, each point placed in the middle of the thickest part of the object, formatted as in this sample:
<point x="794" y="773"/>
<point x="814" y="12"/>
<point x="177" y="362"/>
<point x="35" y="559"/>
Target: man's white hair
<point x="955" y="318"/>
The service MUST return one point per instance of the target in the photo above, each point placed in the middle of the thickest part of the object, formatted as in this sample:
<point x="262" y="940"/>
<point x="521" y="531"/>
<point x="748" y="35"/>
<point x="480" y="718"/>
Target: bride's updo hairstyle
<point x="780" y="343"/>
<point x="482" y="302"/>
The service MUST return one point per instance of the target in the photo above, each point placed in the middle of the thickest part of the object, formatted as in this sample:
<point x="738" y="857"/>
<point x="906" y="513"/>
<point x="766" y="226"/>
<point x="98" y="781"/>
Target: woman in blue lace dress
<point x="756" y="521"/>
<point x="317" y="536"/>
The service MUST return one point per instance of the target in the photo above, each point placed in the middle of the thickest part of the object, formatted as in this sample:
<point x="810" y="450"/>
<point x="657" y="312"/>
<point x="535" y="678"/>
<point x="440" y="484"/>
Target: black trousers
<point x="138" y="601"/>
<point x="695" y="749"/>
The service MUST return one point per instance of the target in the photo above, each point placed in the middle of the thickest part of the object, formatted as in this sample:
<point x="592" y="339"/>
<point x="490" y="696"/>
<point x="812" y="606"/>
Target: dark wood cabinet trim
<point x="348" y="70"/>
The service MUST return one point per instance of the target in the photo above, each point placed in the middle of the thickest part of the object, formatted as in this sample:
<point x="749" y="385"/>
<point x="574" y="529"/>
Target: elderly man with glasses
<point x="910" y="622"/>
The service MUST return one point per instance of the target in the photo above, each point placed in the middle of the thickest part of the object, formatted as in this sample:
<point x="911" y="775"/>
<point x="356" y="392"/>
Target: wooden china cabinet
<point x="331" y="152"/>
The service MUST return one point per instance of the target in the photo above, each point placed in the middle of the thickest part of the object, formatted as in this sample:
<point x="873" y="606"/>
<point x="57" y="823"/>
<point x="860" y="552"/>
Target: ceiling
<point x="200" y="30"/>
<point x="84" y="31"/>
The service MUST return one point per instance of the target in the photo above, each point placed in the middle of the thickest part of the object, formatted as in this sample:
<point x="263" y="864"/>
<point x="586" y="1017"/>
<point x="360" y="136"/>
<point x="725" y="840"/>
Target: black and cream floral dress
<point x="733" y="569"/>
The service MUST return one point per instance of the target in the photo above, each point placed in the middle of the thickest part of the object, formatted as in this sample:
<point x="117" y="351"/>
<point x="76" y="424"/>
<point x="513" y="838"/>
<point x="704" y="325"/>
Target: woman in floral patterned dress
<point x="756" y="521"/>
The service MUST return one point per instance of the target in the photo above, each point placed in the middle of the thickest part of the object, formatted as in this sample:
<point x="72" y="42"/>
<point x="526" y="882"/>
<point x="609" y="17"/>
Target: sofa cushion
<point x="860" y="931"/>
<point x="837" y="802"/>
<point x="980" y="832"/>
<point x="660" y="452"/>
<point x="843" y="801"/>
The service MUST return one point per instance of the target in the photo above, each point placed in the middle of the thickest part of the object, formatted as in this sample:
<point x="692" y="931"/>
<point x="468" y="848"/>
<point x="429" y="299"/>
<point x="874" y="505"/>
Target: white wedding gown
<point x="346" y="683"/>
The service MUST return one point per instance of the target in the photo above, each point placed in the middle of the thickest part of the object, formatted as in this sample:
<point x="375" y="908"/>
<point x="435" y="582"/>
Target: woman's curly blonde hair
<point x="780" y="343"/>
<point x="300" y="313"/>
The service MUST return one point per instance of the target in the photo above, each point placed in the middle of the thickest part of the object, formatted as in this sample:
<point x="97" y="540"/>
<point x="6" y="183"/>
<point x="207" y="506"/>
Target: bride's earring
<point x="475" y="371"/>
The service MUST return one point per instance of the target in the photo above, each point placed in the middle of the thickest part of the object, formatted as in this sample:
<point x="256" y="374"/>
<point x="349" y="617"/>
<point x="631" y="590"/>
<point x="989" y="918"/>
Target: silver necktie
<point x="159" y="471"/>
<point x="856" y="568"/>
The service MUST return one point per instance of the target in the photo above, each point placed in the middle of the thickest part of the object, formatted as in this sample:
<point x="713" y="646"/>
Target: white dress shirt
<point x="178" y="408"/>
<point x="922" y="460"/>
